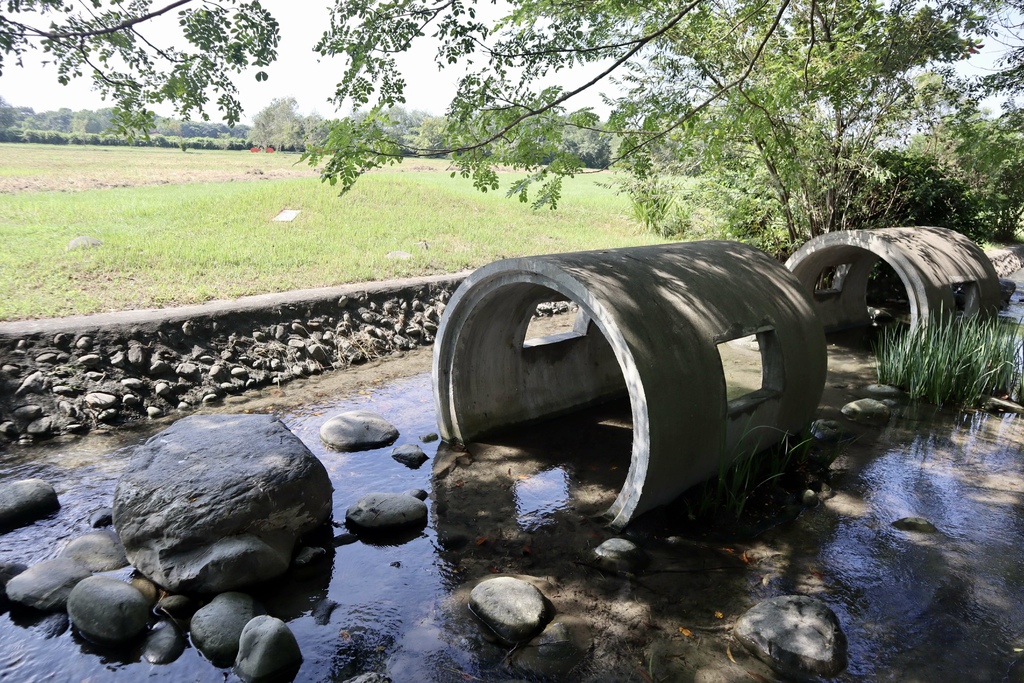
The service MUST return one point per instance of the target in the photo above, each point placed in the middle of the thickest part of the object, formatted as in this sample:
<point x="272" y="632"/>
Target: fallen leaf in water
<point x="494" y="570"/>
<point x="728" y="550"/>
<point x="458" y="483"/>
<point x="746" y="560"/>
<point x="758" y="677"/>
<point x="728" y="652"/>
<point x="686" y="632"/>
<point x="719" y="615"/>
<point x="345" y="635"/>
<point x="481" y="540"/>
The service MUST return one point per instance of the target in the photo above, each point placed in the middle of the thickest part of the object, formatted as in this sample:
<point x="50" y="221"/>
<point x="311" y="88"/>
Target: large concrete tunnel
<point x="649" y="324"/>
<point x="835" y="269"/>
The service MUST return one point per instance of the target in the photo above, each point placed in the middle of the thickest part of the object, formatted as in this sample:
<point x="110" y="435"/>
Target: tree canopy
<point x="108" y="42"/>
<point x="793" y="95"/>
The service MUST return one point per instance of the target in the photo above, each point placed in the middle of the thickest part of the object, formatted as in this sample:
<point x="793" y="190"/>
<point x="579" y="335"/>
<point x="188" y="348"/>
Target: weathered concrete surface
<point x="649" y="324"/>
<point x="928" y="260"/>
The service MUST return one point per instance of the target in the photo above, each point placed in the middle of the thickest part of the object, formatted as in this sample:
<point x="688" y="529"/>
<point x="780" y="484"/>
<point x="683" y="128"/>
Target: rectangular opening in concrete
<point x="966" y="297"/>
<point x="830" y="279"/>
<point x="741" y="363"/>
<point x="752" y="370"/>
<point x="564" y="323"/>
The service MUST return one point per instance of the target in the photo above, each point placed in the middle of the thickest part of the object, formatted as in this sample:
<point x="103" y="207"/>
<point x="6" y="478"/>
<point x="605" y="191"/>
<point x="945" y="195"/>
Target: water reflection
<point x="918" y="604"/>
<point x="539" y="497"/>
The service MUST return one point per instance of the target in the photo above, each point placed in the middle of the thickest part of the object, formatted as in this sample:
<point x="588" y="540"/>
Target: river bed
<point x="915" y="607"/>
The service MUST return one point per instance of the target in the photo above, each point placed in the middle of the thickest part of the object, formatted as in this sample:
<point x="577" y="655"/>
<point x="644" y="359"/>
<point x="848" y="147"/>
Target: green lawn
<point x="172" y="244"/>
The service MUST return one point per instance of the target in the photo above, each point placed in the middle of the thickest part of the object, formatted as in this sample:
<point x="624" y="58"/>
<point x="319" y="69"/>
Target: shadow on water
<point x="915" y="606"/>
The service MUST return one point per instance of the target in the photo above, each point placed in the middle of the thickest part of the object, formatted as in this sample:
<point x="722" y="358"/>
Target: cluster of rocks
<point x="797" y="636"/>
<point x="71" y="382"/>
<point x="197" y="516"/>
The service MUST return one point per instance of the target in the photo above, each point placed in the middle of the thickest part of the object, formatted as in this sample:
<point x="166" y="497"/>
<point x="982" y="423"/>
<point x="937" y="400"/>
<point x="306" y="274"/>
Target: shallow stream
<point x="915" y="606"/>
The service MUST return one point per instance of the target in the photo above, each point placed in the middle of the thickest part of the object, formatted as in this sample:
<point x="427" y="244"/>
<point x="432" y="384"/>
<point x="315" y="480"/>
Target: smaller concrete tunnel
<point x="649" y="326"/>
<point x="931" y="262"/>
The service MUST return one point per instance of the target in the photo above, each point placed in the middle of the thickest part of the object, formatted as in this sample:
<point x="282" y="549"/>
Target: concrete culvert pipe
<point x="931" y="262"/>
<point x="649" y="324"/>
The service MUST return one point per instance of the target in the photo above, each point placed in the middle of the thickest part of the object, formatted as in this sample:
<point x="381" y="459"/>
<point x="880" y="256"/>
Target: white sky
<point x="299" y="73"/>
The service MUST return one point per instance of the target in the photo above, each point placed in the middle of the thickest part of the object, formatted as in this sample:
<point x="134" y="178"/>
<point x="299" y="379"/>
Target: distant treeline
<point x="52" y="137"/>
<point x="87" y="127"/>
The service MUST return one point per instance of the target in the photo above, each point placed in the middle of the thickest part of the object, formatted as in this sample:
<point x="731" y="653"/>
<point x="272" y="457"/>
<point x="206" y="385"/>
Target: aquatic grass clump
<point x="953" y="360"/>
<point x="728" y="493"/>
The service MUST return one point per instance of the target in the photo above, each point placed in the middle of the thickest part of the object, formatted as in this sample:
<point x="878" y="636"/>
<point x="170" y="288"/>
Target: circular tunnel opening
<point x="571" y="444"/>
<point x="886" y="295"/>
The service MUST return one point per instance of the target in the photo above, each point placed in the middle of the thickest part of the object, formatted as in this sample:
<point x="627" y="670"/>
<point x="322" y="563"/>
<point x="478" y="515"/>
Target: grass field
<point x="182" y="228"/>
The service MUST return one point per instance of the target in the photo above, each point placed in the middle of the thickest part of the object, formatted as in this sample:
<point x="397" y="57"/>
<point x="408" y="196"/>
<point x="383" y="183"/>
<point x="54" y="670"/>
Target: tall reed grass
<point x="953" y="360"/>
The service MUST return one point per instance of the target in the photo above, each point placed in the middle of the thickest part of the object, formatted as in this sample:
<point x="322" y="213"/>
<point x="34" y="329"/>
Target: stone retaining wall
<point x="1007" y="260"/>
<point x="72" y="374"/>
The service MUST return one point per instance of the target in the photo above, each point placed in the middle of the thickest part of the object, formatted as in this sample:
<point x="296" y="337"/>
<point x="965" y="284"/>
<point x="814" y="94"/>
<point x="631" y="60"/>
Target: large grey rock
<point x="828" y="431"/>
<point x="992" y="404"/>
<point x="108" y="611"/>
<point x="410" y="455"/>
<point x="386" y="511"/>
<point x="33" y="384"/>
<point x="358" y="430"/>
<point x="46" y="585"/>
<point x="514" y="609"/>
<point x="100" y="400"/>
<point x="217" y="502"/>
<point x="8" y="570"/>
<point x="797" y="636"/>
<point x="552" y="654"/>
<point x="98" y="551"/>
<point x="883" y="391"/>
<point x="620" y="555"/>
<point x="164" y="644"/>
<point x="918" y="524"/>
<point x="25" y="500"/>
<point x="867" y="410"/>
<point x="1006" y="290"/>
<point x="267" y="651"/>
<point x="217" y="627"/>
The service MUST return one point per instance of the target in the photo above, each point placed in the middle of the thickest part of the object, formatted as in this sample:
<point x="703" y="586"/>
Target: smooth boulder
<point x="165" y="643"/>
<point x="867" y="410"/>
<point x="25" y="501"/>
<point x="46" y="586"/>
<point x="386" y="511"/>
<point x="357" y="430"/>
<point x="217" y="502"/>
<point x="512" y="608"/>
<point x="410" y="455"/>
<point x="8" y="570"/>
<point x="108" y="611"/>
<point x="217" y="626"/>
<point x="552" y="654"/>
<point x="797" y="636"/>
<point x="99" y="551"/>
<point x="620" y="555"/>
<point x="267" y="651"/>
